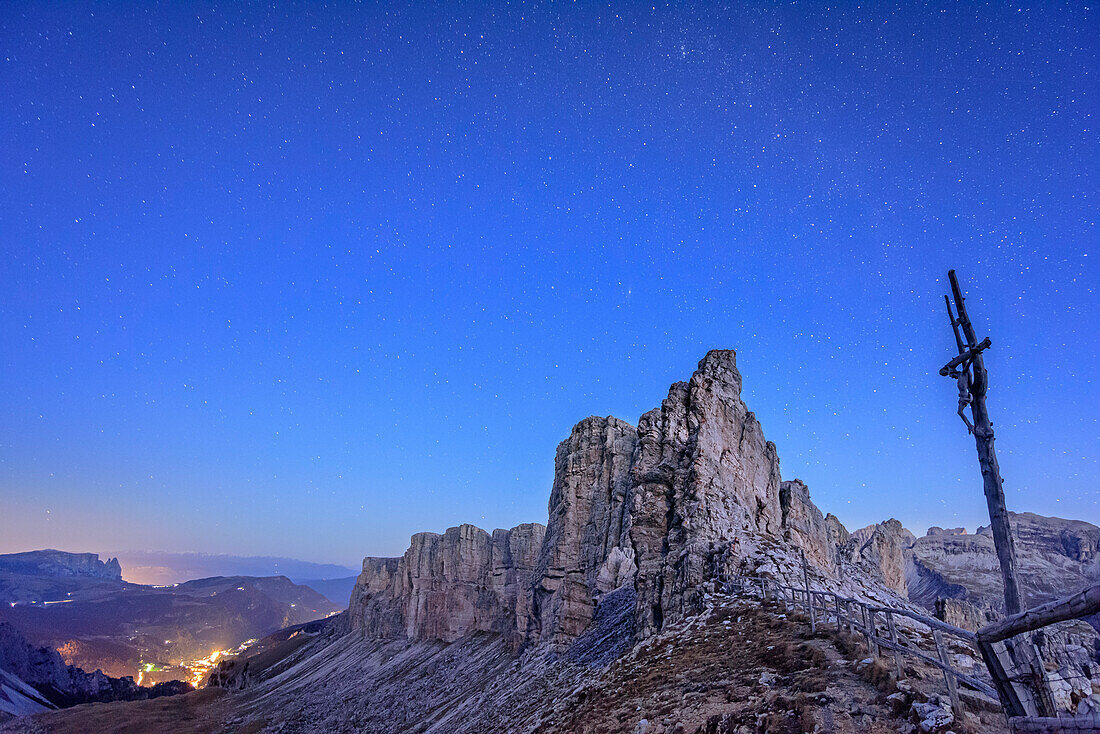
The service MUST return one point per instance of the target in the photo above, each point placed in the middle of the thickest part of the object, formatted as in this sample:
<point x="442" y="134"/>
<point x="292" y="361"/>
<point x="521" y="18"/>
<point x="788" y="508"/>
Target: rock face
<point x="703" y="475"/>
<point x="1055" y="558"/>
<point x="691" y="494"/>
<point x="447" y="586"/>
<point x="804" y="525"/>
<point x="586" y="551"/>
<point x="663" y="508"/>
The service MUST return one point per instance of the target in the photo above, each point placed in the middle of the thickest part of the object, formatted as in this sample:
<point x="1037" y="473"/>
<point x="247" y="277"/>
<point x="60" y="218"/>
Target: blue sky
<point x="303" y="280"/>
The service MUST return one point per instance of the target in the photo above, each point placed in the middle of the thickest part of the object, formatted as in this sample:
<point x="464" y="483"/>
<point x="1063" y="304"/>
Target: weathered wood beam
<point x="932" y="622"/>
<point x="954" y="324"/>
<point x="1083" y="603"/>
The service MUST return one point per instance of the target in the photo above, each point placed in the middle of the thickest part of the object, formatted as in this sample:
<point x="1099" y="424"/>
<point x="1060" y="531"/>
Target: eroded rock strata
<point x="586" y="551"/>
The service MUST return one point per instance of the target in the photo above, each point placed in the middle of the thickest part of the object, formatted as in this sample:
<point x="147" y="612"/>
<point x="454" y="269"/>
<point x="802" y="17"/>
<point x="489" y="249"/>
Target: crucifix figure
<point x="965" y="396"/>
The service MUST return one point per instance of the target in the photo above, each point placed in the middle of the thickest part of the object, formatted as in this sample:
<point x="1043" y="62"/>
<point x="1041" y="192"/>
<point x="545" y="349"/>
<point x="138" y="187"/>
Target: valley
<point x="82" y="607"/>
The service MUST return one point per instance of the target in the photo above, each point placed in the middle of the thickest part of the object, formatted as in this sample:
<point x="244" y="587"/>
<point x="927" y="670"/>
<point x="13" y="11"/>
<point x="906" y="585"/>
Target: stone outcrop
<point x="703" y="476"/>
<point x="644" y="525"/>
<point x="530" y="583"/>
<point x="447" y="586"/>
<point x="586" y="551"/>
<point x="879" y="550"/>
<point x="693" y="493"/>
<point x="688" y="495"/>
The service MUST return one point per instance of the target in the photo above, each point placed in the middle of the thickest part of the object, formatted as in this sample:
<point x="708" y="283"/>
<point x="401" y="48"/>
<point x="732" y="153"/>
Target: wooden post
<point x="866" y="628"/>
<point x="987" y="455"/>
<point x="948" y="677"/>
<point x="839" y="619"/>
<point x="809" y="596"/>
<point x="874" y="632"/>
<point x="894" y="639"/>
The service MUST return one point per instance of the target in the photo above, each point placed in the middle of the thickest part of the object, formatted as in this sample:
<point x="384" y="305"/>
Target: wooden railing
<point x="876" y="624"/>
<point x="1010" y="656"/>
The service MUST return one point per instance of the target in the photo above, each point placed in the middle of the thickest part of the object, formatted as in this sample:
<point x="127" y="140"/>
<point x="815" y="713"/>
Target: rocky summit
<point x="690" y="496"/>
<point x="663" y="507"/>
<point x="474" y="631"/>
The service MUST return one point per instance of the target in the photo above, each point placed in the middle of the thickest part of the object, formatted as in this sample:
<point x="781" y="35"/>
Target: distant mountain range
<point x="161" y="568"/>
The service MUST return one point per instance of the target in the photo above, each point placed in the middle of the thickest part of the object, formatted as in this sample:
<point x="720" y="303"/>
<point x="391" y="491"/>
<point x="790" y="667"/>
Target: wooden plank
<point x="866" y="628"/>
<point x="975" y="683"/>
<point x="1015" y="698"/>
<point x="933" y="623"/>
<point x="964" y="355"/>
<point x="948" y="675"/>
<point x="874" y="631"/>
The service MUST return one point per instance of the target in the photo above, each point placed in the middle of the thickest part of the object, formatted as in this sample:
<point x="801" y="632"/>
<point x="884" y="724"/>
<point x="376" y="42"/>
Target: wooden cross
<point x="970" y="359"/>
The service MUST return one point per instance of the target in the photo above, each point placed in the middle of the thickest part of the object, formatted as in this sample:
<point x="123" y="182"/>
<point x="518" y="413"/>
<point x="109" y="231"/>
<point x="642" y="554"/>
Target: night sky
<point x="303" y="280"/>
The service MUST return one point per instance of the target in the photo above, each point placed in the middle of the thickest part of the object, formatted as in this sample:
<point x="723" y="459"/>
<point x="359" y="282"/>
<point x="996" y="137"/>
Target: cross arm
<point x="967" y="355"/>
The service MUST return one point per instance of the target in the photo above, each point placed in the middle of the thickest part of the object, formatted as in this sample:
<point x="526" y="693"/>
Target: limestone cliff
<point x="879" y="550"/>
<point x="669" y="508"/>
<point x="805" y="526"/>
<point x="447" y="586"/>
<point x="586" y="551"/>
<point x="665" y="508"/>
